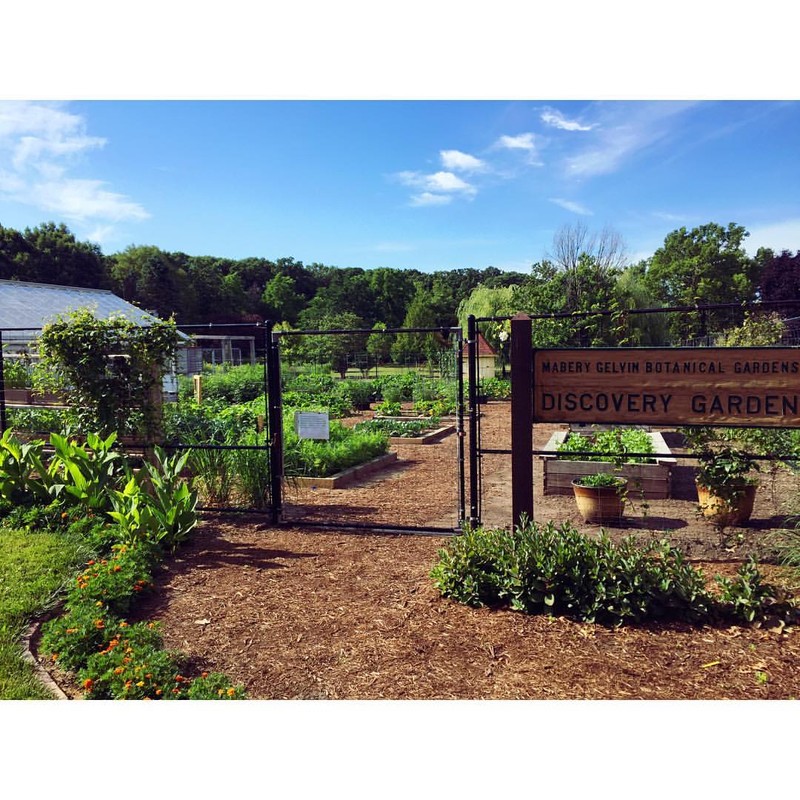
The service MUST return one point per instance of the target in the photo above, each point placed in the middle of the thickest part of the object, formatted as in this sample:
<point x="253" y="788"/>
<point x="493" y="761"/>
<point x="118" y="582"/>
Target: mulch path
<point x="299" y="613"/>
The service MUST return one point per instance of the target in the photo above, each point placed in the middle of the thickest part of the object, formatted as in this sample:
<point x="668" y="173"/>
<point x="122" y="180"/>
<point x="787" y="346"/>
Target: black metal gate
<point x="276" y="434"/>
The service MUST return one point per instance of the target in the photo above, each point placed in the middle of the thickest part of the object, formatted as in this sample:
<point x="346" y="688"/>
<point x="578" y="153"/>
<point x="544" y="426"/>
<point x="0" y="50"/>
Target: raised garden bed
<point x="429" y="437"/>
<point x="645" y="480"/>
<point x="343" y="478"/>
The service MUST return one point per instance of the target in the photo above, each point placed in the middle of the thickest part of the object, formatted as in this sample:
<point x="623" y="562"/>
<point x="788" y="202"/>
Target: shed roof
<point x="30" y="306"/>
<point x="484" y="348"/>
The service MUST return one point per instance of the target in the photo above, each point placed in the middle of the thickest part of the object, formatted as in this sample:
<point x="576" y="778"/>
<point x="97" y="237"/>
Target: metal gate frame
<point x="275" y="429"/>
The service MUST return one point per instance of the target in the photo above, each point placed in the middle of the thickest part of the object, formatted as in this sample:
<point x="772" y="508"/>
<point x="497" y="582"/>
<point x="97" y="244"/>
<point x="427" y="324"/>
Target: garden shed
<point x="487" y="359"/>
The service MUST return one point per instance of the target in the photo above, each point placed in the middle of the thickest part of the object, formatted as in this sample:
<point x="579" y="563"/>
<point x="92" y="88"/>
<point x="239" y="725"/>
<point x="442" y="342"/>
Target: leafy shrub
<point x="600" y="480"/>
<point x="558" y="570"/>
<point x="610" y="445"/>
<point x="388" y="409"/>
<point x="233" y="384"/>
<point x="496" y="388"/>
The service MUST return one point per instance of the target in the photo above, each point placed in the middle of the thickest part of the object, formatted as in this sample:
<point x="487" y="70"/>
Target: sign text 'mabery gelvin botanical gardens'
<point x="692" y="386"/>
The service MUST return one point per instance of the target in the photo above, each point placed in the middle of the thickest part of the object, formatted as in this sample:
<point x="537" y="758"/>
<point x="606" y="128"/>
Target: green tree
<point x="706" y="265"/>
<point x="281" y="300"/>
<point x="487" y="302"/>
<point x="148" y="276"/>
<point x="50" y="253"/>
<point x="335" y="349"/>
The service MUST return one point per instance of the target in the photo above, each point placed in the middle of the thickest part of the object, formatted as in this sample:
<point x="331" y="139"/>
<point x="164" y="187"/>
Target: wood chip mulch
<point x="299" y="613"/>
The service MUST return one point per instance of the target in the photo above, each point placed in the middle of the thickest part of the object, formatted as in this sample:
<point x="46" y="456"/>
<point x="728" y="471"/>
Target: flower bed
<point x="650" y="480"/>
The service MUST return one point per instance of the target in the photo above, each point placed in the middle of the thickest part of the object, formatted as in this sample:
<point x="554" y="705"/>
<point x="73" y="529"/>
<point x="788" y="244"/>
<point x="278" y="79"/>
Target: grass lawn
<point x="33" y="568"/>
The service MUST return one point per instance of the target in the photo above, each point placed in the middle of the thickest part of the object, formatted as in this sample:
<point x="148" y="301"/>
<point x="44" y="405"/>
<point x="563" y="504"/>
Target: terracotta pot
<point x="599" y="503"/>
<point x="721" y="512"/>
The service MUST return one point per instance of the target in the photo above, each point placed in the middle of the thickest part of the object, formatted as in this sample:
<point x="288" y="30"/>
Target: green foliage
<point x="746" y="596"/>
<point x="724" y="468"/>
<point x="16" y="373"/>
<point x="609" y="445"/>
<point x="320" y="459"/>
<point x="388" y="409"/>
<point x="109" y="367"/>
<point x="251" y="473"/>
<point x="399" y="427"/>
<point x="133" y="666"/>
<point x="156" y="505"/>
<point x="233" y="384"/>
<point x="23" y="476"/>
<point x="557" y="570"/>
<point x="40" y="421"/>
<point x="81" y="476"/>
<point x="496" y="388"/>
<point x="600" y="480"/>
<point x="214" y="686"/>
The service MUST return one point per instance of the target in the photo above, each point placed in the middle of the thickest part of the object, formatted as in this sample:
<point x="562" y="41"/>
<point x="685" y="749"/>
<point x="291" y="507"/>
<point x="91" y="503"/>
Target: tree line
<point x="584" y="272"/>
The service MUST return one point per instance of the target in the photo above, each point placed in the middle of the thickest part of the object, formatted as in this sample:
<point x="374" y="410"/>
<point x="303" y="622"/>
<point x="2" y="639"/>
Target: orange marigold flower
<point x="99" y="624"/>
<point x="54" y="656"/>
<point x="123" y="624"/>
<point x="99" y="603"/>
<point x="71" y="630"/>
<point x="116" y="568"/>
<point x="64" y="515"/>
<point x="158" y="692"/>
<point x="119" y="670"/>
<point x="203" y="674"/>
<point x="231" y="692"/>
<point x="88" y="683"/>
<point x="176" y="691"/>
<point x="90" y="563"/>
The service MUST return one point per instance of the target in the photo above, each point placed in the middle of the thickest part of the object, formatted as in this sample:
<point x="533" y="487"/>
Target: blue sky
<point x="424" y="184"/>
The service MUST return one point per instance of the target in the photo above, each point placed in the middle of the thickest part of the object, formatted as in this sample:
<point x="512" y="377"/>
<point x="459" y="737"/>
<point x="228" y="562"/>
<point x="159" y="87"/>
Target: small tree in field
<point x="110" y="369"/>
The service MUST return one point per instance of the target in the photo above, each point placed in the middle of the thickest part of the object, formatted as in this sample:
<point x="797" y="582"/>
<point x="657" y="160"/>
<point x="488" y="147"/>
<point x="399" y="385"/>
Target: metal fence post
<point x="275" y="419"/>
<point x="521" y="418"/>
<point x="2" y="389"/>
<point x="472" y="392"/>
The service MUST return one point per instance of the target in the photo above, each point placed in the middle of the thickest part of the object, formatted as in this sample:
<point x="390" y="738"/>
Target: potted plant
<point x="725" y="489"/>
<point x="600" y="497"/>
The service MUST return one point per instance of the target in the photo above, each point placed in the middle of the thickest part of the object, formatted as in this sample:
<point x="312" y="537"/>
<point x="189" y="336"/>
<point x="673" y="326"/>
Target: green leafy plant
<point x="725" y="472"/>
<point x="81" y="474"/>
<point x="611" y="445"/>
<point x="23" y="476"/>
<point x="398" y="427"/>
<point x="16" y="373"/>
<point x="388" y="408"/>
<point x="601" y="480"/>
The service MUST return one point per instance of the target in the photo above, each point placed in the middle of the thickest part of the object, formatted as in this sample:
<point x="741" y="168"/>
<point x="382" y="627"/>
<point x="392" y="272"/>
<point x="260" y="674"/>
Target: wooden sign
<point x="753" y="386"/>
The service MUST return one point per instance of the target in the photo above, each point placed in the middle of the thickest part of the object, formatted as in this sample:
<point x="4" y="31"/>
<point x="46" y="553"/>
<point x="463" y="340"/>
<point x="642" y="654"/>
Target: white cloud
<point x="523" y="141"/>
<point x="84" y="200"/>
<point x="555" y="119"/>
<point x="463" y="162"/>
<point x="430" y="199"/>
<point x="627" y="129"/>
<point x="777" y="236"/>
<point x="436" y="189"/>
<point x="569" y="205"/>
<point x="39" y="144"/>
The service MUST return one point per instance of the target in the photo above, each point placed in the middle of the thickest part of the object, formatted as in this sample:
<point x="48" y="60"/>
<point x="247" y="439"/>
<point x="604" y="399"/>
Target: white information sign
<point x="312" y="424"/>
